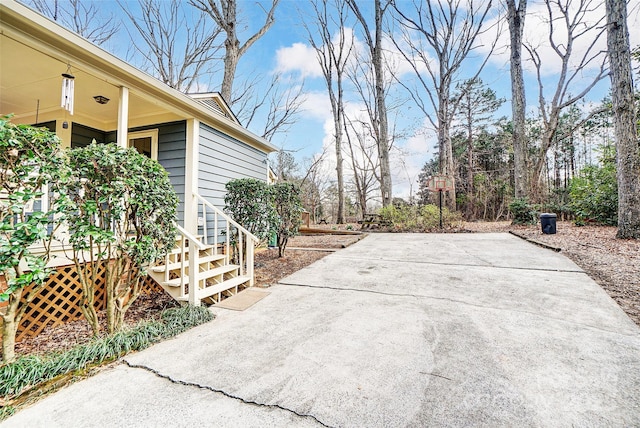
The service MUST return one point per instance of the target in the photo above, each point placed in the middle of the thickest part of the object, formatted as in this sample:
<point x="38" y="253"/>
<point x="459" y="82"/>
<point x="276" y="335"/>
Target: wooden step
<point x="178" y="265"/>
<point x="202" y="275"/>
<point x="223" y="286"/>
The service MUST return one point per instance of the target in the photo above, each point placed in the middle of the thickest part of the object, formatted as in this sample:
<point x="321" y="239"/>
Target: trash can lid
<point x="547" y="215"/>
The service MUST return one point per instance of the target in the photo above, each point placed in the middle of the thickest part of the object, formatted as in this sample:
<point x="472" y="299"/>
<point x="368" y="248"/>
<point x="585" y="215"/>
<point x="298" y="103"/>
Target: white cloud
<point x="536" y="34"/>
<point x="316" y="106"/>
<point x="298" y="57"/>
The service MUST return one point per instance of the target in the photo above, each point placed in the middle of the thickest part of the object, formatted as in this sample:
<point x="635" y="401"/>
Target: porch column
<point x="123" y="117"/>
<point x="191" y="205"/>
<point x="191" y="176"/>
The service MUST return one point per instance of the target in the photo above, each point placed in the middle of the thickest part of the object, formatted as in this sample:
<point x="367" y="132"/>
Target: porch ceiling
<point x="30" y="85"/>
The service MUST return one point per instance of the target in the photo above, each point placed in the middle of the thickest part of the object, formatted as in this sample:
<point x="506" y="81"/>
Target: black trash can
<point x="548" y="223"/>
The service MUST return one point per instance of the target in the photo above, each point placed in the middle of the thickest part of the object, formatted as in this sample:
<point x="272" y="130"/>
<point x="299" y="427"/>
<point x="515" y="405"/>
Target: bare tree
<point x="515" y="17"/>
<point x="285" y="165"/>
<point x="364" y="160"/>
<point x="225" y="15"/>
<point x="161" y="25"/>
<point x="624" y="109"/>
<point x="573" y="26"/>
<point x="314" y="184"/>
<point x="449" y="30"/>
<point x="361" y="132"/>
<point x="80" y="17"/>
<point x="373" y="41"/>
<point x="333" y="55"/>
<point x="276" y="105"/>
<point x="283" y="103"/>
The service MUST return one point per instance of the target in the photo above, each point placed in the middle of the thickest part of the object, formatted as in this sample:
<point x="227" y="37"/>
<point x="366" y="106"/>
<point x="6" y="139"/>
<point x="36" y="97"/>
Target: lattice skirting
<point x="58" y="301"/>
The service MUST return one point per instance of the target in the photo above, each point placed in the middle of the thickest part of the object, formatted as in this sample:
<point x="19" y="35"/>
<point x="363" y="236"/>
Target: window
<point x="146" y="142"/>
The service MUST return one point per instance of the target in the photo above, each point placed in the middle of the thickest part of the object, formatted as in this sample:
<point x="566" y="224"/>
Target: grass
<point x="28" y="372"/>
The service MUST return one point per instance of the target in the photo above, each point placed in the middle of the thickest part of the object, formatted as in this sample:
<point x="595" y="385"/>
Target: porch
<point x="197" y="139"/>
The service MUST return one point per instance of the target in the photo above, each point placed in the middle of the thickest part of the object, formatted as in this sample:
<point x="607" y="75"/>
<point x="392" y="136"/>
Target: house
<point x="197" y="139"/>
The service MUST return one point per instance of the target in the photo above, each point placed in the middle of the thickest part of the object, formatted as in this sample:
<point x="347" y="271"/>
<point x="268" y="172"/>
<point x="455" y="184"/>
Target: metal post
<point x="440" y="191"/>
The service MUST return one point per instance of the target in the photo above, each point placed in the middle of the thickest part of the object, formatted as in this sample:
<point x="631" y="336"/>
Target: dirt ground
<point x="611" y="262"/>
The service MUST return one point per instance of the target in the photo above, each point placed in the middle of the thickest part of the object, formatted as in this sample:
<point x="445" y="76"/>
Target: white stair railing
<point x="193" y="271"/>
<point x="192" y="266"/>
<point x="216" y="223"/>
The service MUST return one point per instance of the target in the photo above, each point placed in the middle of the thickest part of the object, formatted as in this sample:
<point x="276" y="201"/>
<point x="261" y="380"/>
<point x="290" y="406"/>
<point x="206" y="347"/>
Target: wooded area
<point x="571" y="156"/>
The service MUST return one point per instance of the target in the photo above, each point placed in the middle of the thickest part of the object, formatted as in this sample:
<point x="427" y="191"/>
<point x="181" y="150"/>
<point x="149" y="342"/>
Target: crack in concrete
<point x="435" y="375"/>
<point x="485" y="266"/>
<point x="226" y="394"/>
<point x="447" y="299"/>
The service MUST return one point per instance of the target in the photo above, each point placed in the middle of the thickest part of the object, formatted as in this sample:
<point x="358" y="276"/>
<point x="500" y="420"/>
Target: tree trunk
<point x="445" y="149"/>
<point x="10" y="327"/>
<point x="536" y="189"/>
<point x="471" y="215"/>
<point x="230" y="64"/>
<point x="9" y="330"/>
<point x="383" y="125"/>
<point x="224" y="14"/>
<point x="516" y="17"/>
<point x="282" y="245"/>
<point x="339" y="169"/>
<point x="87" y="275"/>
<point x="111" y="286"/>
<point x="627" y="148"/>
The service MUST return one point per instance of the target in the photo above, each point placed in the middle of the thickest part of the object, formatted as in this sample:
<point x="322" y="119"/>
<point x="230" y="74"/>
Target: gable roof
<point x="216" y="102"/>
<point x="34" y="51"/>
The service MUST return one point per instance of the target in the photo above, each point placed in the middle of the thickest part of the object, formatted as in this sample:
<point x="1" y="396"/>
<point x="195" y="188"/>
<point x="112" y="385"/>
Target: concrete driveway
<point x="396" y="330"/>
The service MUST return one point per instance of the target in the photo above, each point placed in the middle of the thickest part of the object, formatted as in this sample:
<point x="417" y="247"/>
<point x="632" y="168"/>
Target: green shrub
<point x="523" y="212"/>
<point x="430" y="217"/>
<point x="401" y="216"/>
<point x="122" y="205"/>
<point x="31" y="370"/>
<point x="250" y="203"/>
<point x="29" y="159"/>
<point x="414" y="218"/>
<point x="288" y="206"/>
<point x="594" y="194"/>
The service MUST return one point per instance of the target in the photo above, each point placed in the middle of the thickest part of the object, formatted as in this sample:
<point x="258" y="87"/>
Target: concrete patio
<point x="396" y="330"/>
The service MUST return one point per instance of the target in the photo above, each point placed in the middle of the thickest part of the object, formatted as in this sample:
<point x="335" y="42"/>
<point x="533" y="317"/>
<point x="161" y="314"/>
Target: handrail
<point x="226" y="217"/>
<point x="246" y="240"/>
<point x="190" y="237"/>
<point x="187" y="258"/>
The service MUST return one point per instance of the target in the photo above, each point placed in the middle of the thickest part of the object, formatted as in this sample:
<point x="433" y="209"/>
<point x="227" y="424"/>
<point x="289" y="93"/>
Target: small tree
<point x="249" y="201"/>
<point x="29" y="158"/>
<point x="288" y="205"/>
<point x="594" y="192"/>
<point x="121" y="216"/>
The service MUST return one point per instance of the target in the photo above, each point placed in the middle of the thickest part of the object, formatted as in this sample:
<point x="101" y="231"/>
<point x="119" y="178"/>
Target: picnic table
<point x="370" y="220"/>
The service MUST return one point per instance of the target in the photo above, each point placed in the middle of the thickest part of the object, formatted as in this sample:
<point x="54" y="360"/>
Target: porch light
<point x="66" y="100"/>
<point x="101" y="99"/>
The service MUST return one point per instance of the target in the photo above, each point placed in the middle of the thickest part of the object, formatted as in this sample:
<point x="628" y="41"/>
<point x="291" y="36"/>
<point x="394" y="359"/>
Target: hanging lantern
<point x="66" y="101"/>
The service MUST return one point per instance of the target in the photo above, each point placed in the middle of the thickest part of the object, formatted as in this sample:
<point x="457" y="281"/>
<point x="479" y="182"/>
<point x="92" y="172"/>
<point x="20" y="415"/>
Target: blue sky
<point x="288" y="39"/>
<point x="285" y="49"/>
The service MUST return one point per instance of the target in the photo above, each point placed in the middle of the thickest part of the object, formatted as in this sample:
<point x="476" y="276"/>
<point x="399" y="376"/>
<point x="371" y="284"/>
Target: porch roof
<point x="35" y="51"/>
